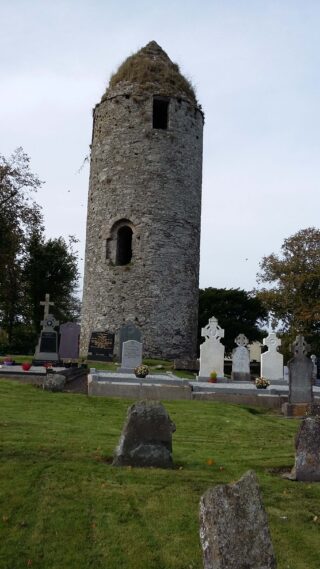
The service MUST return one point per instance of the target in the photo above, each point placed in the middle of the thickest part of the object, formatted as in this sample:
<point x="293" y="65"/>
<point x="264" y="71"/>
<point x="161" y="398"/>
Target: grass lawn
<point x="63" y="506"/>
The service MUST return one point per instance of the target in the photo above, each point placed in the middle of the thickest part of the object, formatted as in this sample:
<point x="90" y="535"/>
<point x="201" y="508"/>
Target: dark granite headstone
<point x="127" y="332"/>
<point x="101" y="346"/>
<point x="300" y="374"/>
<point x="69" y="341"/>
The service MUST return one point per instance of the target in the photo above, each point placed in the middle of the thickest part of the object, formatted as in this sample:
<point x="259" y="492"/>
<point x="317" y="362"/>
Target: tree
<point x="294" y="298"/>
<point x="19" y="216"/>
<point x="51" y="267"/>
<point x="30" y="266"/>
<point x="236" y="310"/>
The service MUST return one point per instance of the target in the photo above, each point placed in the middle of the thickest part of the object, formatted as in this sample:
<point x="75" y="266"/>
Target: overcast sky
<point x="256" y="68"/>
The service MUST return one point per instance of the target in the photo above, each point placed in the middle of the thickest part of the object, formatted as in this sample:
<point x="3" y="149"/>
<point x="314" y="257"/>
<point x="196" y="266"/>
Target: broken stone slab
<point x="234" y="531"/>
<point x="307" y="461"/>
<point x="146" y="438"/>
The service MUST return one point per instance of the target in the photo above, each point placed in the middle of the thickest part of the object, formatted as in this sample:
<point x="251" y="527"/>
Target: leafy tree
<point x="51" y="267"/>
<point x="19" y="216"/>
<point x="236" y="310"/>
<point x="30" y="266"/>
<point x="294" y="298"/>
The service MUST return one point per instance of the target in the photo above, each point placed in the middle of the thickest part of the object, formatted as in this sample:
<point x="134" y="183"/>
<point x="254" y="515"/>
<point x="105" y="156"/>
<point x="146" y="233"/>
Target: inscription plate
<point x="101" y="346"/>
<point x="48" y="342"/>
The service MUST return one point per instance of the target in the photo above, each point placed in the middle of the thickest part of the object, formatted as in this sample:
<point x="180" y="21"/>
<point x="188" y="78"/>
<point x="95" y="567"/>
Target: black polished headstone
<point x="101" y="346"/>
<point x="69" y="340"/>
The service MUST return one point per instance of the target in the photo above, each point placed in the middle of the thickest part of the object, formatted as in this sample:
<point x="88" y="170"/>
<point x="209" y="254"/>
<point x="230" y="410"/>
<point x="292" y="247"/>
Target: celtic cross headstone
<point x="241" y="359"/>
<point x="300" y="373"/>
<point x="47" y="347"/>
<point x="211" y="350"/>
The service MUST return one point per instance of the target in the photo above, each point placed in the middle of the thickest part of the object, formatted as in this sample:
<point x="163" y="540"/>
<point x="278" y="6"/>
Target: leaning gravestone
<point x="47" y="347"/>
<point x="131" y="356"/>
<point x="234" y="530"/>
<point x="272" y="360"/>
<point x="146" y="438"/>
<point x="300" y="380"/>
<point x="211" y="351"/>
<point x="241" y="359"/>
<point x="101" y="346"/>
<point x="69" y="341"/>
<point x="307" y="462"/>
<point x="127" y="332"/>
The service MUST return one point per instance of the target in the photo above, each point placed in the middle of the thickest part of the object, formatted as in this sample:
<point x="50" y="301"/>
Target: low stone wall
<point x="134" y="391"/>
<point x="257" y="400"/>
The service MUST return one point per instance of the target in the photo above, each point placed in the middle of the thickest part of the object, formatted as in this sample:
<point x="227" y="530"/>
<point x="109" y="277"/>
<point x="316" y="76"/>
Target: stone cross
<point x="300" y="347"/>
<point x="242" y="340"/>
<point x="212" y="330"/>
<point x="46" y="303"/>
<point x="272" y="342"/>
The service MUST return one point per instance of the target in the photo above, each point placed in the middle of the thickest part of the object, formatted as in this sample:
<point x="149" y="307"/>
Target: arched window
<point x="124" y="245"/>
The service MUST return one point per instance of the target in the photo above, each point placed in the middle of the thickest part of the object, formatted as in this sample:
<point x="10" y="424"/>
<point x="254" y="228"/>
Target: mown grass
<point x="63" y="506"/>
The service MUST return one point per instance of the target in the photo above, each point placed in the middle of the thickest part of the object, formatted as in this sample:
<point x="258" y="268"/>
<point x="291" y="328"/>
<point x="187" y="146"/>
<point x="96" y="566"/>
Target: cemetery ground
<point x="62" y="504"/>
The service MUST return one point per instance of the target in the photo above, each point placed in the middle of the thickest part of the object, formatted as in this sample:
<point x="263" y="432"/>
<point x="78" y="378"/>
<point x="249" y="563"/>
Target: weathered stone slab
<point x="307" y="462"/>
<point x="54" y="382"/>
<point x="234" y="530"/>
<point x="146" y="438"/>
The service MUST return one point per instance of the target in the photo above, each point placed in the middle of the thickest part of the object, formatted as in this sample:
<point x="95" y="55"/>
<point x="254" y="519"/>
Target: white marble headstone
<point x="131" y="354"/>
<point x="272" y="360"/>
<point x="211" y="351"/>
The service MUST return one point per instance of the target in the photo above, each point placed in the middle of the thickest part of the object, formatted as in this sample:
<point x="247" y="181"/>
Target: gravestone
<point x="307" y="460"/>
<point x="272" y="360"/>
<point x="47" y="347"/>
<point x="241" y="360"/>
<point x="69" y="341"/>
<point x="127" y="332"/>
<point x="131" y="355"/>
<point x="146" y="438"/>
<point x="255" y="351"/>
<point x="313" y="358"/>
<point x="211" y="350"/>
<point x="300" y="380"/>
<point x="101" y="346"/>
<point x="234" y="531"/>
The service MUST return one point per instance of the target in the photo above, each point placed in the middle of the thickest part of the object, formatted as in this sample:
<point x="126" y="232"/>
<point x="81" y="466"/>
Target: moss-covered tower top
<point x="150" y="70"/>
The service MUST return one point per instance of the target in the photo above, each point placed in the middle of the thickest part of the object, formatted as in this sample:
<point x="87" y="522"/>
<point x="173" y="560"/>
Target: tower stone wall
<point x="148" y="181"/>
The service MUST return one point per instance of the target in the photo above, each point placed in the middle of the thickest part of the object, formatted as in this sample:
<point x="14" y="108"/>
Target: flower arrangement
<point x="141" y="370"/>
<point x="213" y="377"/>
<point x="8" y="361"/>
<point x="26" y="366"/>
<point x="262" y="383"/>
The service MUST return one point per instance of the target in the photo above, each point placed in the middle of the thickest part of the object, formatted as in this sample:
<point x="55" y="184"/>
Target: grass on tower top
<point x="148" y="73"/>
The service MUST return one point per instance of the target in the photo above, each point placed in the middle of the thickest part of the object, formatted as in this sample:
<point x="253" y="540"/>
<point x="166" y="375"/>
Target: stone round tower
<point x="144" y="205"/>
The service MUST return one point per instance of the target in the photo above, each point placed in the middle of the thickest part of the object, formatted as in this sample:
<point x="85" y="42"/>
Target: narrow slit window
<point x="124" y="245"/>
<point x="160" y="113"/>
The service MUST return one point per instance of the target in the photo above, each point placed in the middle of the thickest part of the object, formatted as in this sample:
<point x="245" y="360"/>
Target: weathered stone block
<point x="234" y="528"/>
<point x="146" y="438"/>
<point x="307" y="463"/>
<point x="54" y="382"/>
